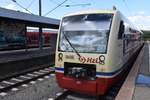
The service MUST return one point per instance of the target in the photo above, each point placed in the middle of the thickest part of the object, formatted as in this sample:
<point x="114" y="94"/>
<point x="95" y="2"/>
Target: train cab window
<point x="87" y="33"/>
<point x="121" y="30"/>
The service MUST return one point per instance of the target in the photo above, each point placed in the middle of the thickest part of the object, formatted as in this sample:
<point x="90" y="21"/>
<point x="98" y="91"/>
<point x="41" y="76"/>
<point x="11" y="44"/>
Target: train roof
<point x="92" y="11"/>
<point x="97" y="11"/>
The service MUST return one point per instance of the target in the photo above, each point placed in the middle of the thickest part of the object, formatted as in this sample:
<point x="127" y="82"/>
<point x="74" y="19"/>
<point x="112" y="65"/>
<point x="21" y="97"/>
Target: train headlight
<point x="78" y="72"/>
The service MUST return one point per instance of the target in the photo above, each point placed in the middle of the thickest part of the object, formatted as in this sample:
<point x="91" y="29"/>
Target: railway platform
<point x="20" y="61"/>
<point x="137" y="83"/>
<point x="16" y="55"/>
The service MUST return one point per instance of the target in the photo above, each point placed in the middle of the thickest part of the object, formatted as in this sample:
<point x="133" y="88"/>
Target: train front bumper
<point x="92" y="87"/>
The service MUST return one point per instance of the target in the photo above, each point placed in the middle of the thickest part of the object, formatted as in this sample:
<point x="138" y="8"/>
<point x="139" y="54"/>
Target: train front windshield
<point x="86" y="33"/>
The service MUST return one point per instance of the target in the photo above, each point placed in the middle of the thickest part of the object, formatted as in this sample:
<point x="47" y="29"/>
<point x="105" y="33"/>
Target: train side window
<point x="121" y="30"/>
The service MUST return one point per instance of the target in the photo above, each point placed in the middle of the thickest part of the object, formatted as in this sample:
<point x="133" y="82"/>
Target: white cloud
<point x="11" y="6"/>
<point x="141" y="12"/>
<point x="141" y="20"/>
<point x="23" y="10"/>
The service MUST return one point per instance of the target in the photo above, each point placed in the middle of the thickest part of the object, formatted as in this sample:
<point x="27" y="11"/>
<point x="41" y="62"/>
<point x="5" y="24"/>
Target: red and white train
<point x="49" y="37"/>
<point x="30" y="39"/>
<point x="93" y="48"/>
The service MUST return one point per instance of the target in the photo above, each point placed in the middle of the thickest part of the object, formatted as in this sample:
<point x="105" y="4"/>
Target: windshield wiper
<point x="71" y="45"/>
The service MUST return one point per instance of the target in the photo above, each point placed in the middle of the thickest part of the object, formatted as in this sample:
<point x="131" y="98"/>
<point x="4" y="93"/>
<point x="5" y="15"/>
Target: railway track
<point x="22" y="79"/>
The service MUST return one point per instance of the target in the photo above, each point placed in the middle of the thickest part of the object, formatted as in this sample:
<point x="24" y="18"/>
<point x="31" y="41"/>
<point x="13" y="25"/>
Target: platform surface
<point x="15" y="55"/>
<point x="142" y="86"/>
<point x="20" y="61"/>
<point x="137" y="83"/>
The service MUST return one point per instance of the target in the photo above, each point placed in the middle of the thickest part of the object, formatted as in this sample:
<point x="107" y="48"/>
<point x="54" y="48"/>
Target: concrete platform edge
<point x="127" y="90"/>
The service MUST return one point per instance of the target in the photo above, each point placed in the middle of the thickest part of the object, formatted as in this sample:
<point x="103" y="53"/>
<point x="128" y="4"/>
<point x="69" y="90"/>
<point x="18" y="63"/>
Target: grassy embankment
<point x="146" y="35"/>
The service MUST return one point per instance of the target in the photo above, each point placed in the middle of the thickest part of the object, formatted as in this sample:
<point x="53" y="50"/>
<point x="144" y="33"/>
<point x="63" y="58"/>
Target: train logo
<point x="100" y="60"/>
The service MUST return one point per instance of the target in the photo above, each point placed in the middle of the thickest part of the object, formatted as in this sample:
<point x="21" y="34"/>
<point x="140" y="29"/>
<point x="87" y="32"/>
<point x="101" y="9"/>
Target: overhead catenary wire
<point x="22" y="7"/>
<point x="30" y="4"/>
<point x="6" y="1"/>
<point x="55" y="8"/>
<point x="129" y="12"/>
<point x="72" y="1"/>
<point x="54" y="2"/>
<point x="88" y="4"/>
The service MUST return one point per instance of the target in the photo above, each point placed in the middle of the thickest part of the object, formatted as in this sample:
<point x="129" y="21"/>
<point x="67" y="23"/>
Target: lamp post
<point x="40" y="28"/>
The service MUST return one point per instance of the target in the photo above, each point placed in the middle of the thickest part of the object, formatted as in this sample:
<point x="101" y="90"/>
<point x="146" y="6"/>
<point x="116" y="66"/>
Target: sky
<point x="137" y="11"/>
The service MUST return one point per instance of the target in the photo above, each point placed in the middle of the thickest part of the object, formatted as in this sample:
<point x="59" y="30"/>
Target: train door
<point x="123" y="35"/>
<point x="120" y="38"/>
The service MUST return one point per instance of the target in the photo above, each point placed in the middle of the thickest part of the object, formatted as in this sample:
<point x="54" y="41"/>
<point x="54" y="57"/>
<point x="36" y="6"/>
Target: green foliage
<point x="146" y="34"/>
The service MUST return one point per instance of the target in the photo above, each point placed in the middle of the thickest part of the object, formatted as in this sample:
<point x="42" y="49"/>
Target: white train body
<point x="91" y="62"/>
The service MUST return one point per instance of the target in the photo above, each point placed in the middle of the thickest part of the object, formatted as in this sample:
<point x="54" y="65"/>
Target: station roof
<point x="28" y="19"/>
